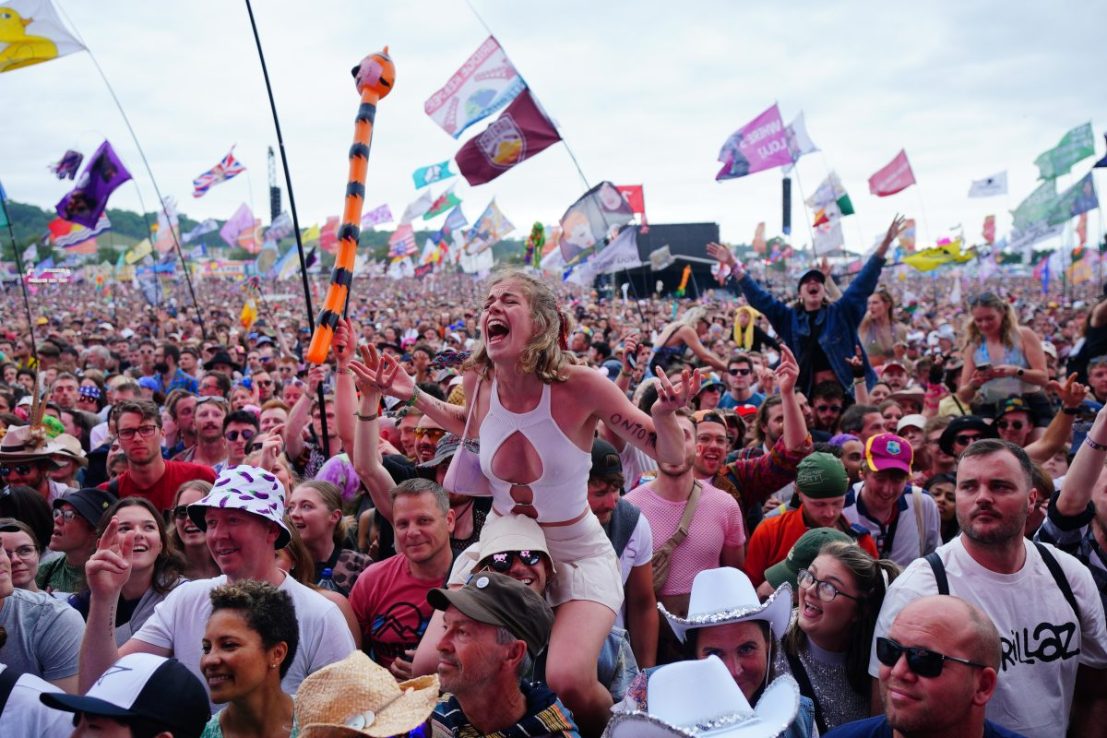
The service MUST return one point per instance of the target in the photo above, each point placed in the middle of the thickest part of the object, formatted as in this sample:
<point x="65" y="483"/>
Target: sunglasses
<point x="180" y="512"/>
<point x="20" y="469"/>
<point x="246" y="434"/>
<point x="736" y="372"/>
<point x="434" y="433"/>
<point x="66" y="515"/>
<point x="265" y="382"/>
<point x="922" y="661"/>
<point x="965" y="440"/>
<point x="501" y="562"/>
<point x="211" y="398"/>
<point x="828" y="408"/>
<point x="1012" y="424"/>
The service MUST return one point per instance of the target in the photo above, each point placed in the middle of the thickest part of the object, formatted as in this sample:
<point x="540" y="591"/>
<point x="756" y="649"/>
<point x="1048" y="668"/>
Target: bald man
<point x="938" y="668"/>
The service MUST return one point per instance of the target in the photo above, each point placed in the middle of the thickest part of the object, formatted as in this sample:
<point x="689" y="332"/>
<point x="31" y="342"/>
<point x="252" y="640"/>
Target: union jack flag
<point x="224" y="170"/>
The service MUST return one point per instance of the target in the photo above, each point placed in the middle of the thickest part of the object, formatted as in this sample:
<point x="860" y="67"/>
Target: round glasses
<point x="824" y="590"/>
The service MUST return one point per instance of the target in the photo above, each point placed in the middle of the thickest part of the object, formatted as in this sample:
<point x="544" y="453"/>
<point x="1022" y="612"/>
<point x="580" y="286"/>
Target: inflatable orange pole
<point x="374" y="76"/>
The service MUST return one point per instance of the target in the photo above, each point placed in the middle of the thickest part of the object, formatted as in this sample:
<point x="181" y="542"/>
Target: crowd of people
<point x="841" y="505"/>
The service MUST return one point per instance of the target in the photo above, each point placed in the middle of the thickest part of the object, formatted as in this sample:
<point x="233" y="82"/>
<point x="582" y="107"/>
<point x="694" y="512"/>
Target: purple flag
<point x="69" y="165"/>
<point x="87" y="201"/>
<point x="760" y="144"/>
<point x="377" y="216"/>
<point x="242" y="219"/>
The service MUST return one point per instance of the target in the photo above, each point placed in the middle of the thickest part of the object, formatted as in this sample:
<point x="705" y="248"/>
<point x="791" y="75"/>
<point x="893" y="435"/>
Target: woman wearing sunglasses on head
<point x="186" y="538"/>
<point x="828" y="642"/>
<point x="315" y="508"/>
<point x="155" y="566"/>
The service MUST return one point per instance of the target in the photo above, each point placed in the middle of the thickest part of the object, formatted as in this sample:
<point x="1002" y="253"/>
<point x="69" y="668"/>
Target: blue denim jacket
<point x="839" y="321"/>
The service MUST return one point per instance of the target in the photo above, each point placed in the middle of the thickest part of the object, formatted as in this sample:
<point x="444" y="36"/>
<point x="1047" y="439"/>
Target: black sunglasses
<point x="735" y="371"/>
<point x="246" y="434"/>
<point x="20" y="469"/>
<point x="965" y="440"/>
<point x="501" y="562"/>
<point x="180" y="512"/>
<point x="922" y="661"/>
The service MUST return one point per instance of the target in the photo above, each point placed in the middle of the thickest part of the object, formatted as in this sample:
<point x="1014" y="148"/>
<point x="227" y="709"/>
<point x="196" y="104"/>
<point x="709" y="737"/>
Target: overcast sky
<point x="644" y="93"/>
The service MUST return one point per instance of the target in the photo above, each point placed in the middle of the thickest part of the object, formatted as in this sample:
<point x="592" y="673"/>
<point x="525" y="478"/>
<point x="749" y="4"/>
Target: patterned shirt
<point x="545" y="716"/>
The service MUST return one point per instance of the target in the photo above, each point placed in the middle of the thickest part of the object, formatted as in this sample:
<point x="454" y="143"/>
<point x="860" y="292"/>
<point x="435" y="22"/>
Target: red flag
<point x="990" y="229"/>
<point x="520" y="132"/>
<point x="328" y="235"/>
<point x="636" y="198"/>
<point x="895" y="177"/>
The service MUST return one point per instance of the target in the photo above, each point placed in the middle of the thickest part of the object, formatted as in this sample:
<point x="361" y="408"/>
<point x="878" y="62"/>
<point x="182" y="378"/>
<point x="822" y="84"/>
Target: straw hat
<point x="690" y="699"/>
<point x="358" y="697"/>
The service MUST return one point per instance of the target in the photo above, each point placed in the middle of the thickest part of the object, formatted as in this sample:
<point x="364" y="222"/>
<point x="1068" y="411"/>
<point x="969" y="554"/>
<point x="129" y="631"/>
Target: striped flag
<point x="402" y="242"/>
<point x="221" y="172"/>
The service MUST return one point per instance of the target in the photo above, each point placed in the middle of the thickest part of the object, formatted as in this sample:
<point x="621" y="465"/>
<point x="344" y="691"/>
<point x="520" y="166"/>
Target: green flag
<point x="446" y="201"/>
<point x="1037" y="206"/>
<point x="1075" y="145"/>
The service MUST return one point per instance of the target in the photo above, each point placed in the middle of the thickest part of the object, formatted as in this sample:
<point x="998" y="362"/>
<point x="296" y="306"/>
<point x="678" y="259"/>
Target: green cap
<point x="802" y="554"/>
<point x="821" y="475"/>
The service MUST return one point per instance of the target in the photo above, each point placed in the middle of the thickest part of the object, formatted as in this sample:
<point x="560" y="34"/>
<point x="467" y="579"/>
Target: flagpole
<point x="22" y="277"/>
<point x="149" y="171"/>
<point x="295" y="218"/>
<point x="806" y="215"/>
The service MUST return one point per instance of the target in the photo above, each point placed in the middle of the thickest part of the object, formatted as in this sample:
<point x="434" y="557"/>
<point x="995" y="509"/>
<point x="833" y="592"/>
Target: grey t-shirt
<point x="44" y="635"/>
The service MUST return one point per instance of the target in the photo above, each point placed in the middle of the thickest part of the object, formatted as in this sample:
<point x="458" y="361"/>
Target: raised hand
<point x="109" y="567"/>
<point x="787" y="372"/>
<point x="381" y="375"/>
<point x="1071" y="392"/>
<point x="723" y="255"/>
<point x="315" y="377"/>
<point x="671" y="398"/>
<point x="345" y="343"/>
<point x="272" y="443"/>
<point x="894" y="230"/>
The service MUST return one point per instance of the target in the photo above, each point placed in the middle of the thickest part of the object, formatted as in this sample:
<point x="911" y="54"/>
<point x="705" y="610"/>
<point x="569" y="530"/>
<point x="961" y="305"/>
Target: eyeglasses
<point x="501" y="562"/>
<point x="246" y="434"/>
<point x="824" y="590"/>
<point x="434" y="433"/>
<point x="965" y="440"/>
<point x="266" y="359"/>
<point x="1012" y="424"/>
<point x="180" y="512"/>
<point x="922" y="661"/>
<point x="144" y="431"/>
<point x="736" y="372"/>
<point x="828" y="408"/>
<point x="211" y="398"/>
<point x="265" y="382"/>
<point x="20" y="469"/>
<point x="23" y="552"/>
<point x="66" y="515"/>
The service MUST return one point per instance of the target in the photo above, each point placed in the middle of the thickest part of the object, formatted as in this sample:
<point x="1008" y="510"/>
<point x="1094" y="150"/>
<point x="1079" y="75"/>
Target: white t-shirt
<point x="179" y="621"/>
<point x="24" y="714"/>
<point x="904" y="546"/>
<point x="638" y="552"/>
<point x="1042" y="644"/>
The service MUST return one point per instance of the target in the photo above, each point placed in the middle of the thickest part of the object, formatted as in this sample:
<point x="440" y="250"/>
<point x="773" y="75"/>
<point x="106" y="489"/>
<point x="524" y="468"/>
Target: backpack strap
<point x="1059" y="577"/>
<point x="8" y="678"/>
<point x="939" y="568"/>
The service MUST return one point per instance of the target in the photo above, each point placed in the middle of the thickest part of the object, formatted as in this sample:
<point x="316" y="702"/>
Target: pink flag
<point x="760" y="144"/>
<point x="990" y="229"/>
<point x="895" y="177"/>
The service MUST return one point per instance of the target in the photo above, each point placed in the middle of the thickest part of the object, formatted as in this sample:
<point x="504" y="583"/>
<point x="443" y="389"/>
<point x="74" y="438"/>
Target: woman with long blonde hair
<point x="878" y="330"/>
<point x="527" y="430"/>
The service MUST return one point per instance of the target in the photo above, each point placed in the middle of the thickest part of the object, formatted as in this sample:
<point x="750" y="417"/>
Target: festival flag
<point x="102" y="175"/>
<point x="30" y="253"/>
<point x="250" y="239"/>
<point x="489" y="229"/>
<point x="311" y="234"/>
<point x="401" y="243"/>
<point x="139" y="251"/>
<point x="1102" y="162"/>
<point x="248" y="315"/>
<point x="799" y="143"/>
<point x="3" y="207"/>
<point x="588" y="220"/>
<point x="31" y="33"/>
<point x="1080" y="198"/>
<point x="1037" y="206"/>
<point x="895" y="177"/>
<point x="485" y="83"/>
<point x="285" y="266"/>
<point x="169" y="227"/>
<point x="760" y="144"/>
<point x="432" y="173"/>
<point x="828" y="235"/>
<point x="227" y="167"/>
<point x="620" y="254"/>
<point x="521" y="132"/>
<point x="990" y="229"/>
<point x="328" y="235"/>
<point x="377" y="216"/>
<point x="68" y="165"/>
<point x="1075" y="145"/>
<point x="70" y="236"/>
<point x="989" y="186"/>
<point x="831" y="190"/>
<point x="442" y="203"/>
<point x="947" y="251"/>
<point x="242" y="219"/>
<point x="456" y="220"/>
<point x="281" y="227"/>
<point x="200" y="229"/>
<point x="417" y="207"/>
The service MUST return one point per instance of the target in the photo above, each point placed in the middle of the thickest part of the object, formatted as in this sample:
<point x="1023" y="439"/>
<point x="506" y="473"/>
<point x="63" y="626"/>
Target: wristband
<point x="366" y="418"/>
<point x="414" y="396"/>
<point x="1071" y="410"/>
<point x="343" y="370"/>
<point x="1097" y="446"/>
<point x="859" y="380"/>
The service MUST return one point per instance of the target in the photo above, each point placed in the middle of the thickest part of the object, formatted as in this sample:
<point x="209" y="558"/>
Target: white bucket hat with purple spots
<point x="245" y="488"/>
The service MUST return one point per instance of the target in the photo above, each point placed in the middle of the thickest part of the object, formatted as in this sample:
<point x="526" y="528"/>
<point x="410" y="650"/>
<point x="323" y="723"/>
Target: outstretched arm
<point x="366" y="455"/>
<point x="659" y="436"/>
<point x="692" y="339"/>
<point x="1060" y="428"/>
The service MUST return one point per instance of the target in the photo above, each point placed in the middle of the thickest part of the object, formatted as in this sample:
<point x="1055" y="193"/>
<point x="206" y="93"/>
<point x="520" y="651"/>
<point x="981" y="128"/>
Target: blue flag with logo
<point x="432" y="173"/>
